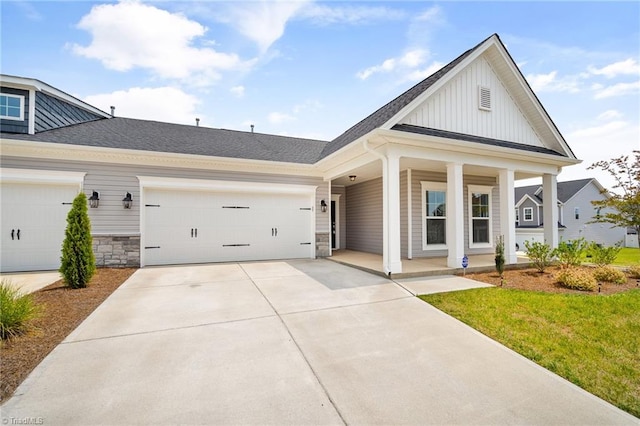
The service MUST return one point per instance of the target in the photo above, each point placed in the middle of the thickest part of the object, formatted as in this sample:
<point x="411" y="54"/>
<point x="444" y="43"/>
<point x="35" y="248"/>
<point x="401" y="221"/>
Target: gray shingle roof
<point x="566" y="190"/>
<point x="383" y="114"/>
<point x="471" y="138"/>
<point x="127" y="133"/>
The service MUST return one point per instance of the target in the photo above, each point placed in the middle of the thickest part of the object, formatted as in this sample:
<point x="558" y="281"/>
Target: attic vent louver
<point x="484" y="98"/>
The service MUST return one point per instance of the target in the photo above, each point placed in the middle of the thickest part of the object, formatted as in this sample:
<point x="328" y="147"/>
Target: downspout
<point x="385" y="195"/>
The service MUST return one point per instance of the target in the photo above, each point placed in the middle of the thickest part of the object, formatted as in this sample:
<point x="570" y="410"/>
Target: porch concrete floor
<point x="417" y="267"/>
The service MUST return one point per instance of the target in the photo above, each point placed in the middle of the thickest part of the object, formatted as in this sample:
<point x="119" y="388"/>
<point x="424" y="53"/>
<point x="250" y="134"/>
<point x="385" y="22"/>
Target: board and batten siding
<point x="454" y="107"/>
<point x="52" y="113"/>
<point x="113" y="181"/>
<point x="364" y="216"/>
<point x="16" y="126"/>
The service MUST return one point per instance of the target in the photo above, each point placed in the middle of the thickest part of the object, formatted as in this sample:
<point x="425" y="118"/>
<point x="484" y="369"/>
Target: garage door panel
<point x="38" y="212"/>
<point x="230" y="226"/>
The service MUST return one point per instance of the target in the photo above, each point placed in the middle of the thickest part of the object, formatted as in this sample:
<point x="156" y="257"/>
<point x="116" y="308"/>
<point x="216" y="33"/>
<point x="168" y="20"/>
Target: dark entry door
<point x="333" y="224"/>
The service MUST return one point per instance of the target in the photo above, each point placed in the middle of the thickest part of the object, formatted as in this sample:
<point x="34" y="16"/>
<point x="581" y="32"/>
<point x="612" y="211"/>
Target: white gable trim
<point x="524" y="198"/>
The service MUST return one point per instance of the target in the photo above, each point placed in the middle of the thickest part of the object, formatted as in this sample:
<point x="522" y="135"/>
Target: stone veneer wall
<point x="117" y="251"/>
<point x="323" y="240"/>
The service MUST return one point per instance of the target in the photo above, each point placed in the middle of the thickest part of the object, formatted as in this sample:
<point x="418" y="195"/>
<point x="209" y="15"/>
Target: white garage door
<point x="204" y="226"/>
<point x="34" y="218"/>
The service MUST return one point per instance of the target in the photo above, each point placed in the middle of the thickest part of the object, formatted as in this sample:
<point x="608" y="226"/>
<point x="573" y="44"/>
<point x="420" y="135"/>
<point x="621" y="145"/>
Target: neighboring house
<point x="430" y="174"/>
<point x="575" y="211"/>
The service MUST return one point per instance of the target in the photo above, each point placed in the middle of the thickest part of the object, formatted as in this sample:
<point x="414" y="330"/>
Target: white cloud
<point x="328" y="15"/>
<point x="279" y="117"/>
<point x="237" y="91"/>
<point x="167" y="104"/>
<point x="626" y="67"/>
<point x="261" y="21"/>
<point x="611" y="114"/>
<point x="551" y="83"/>
<point x="619" y="89"/>
<point x="411" y="59"/>
<point x="418" y="75"/>
<point x="130" y="34"/>
<point x="309" y="104"/>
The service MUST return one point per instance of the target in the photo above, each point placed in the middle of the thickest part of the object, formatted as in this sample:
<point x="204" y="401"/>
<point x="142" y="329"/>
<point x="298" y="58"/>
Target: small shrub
<point x="610" y="275"/>
<point x="634" y="271"/>
<point x="16" y="310"/>
<point x="499" y="258"/>
<point x="78" y="263"/>
<point x="576" y="279"/>
<point x="539" y="254"/>
<point x="570" y="253"/>
<point x="601" y="255"/>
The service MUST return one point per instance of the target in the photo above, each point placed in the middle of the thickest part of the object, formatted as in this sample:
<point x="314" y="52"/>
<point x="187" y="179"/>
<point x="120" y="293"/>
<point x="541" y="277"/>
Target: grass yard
<point x="628" y="256"/>
<point x="592" y="341"/>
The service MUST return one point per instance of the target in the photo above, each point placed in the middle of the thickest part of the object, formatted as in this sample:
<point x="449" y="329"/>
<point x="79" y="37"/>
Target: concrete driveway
<point x="296" y="342"/>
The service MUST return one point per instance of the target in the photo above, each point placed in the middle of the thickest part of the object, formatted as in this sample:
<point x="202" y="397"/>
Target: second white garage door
<point x="183" y="226"/>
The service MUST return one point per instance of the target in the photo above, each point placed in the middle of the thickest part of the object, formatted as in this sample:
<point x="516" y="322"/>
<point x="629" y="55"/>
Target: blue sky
<point x="313" y="69"/>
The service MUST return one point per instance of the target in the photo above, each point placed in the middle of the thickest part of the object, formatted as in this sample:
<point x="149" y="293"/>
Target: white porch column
<point x="550" y="209"/>
<point x="507" y="215"/>
<point x="393" y="263"/>
<point x="455" y="215"/>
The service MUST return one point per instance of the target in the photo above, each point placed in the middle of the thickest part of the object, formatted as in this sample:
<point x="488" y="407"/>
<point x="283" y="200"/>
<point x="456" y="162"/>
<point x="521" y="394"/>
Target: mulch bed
<point x="64" y="309"/>
<point x="532" y="280"/>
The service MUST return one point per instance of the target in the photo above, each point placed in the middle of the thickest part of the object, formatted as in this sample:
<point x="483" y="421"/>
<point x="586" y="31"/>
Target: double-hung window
<point x="528" y="214"/>
<point x="11" y="107"/>
<point x="480" y="216"/>
<point x="434" y="213"/>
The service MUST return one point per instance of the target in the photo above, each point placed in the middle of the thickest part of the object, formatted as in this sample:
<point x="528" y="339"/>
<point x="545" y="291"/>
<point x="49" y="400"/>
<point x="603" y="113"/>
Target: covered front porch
<point x="419" y="267"/>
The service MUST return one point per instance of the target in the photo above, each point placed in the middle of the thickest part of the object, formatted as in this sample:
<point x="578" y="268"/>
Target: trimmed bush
<point x="499" y="258"/>
<point x="539" y="254"/>
<point x="570" y="253"/>
<point x="16" y="310"/>
<point x="602" y="256"/>
<point x="78" y="263"/>
<point x="610" y="275"/>
<point x="576" y="279"/>
<point x="634" y="271"/>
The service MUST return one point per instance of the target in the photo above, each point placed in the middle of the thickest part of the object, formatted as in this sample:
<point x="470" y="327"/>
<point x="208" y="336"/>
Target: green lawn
<point x="628" y="256"/>
<point x="593" y="341"/>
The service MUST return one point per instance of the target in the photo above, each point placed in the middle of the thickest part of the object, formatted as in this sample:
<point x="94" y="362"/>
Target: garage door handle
<point x="18" y="234"/>
<point x="196" y="232"/>
<point x="13" y="231"/>
<point x="272" y="232"/>
<point x="191" y="232"/>
<point x="276" y="232"/>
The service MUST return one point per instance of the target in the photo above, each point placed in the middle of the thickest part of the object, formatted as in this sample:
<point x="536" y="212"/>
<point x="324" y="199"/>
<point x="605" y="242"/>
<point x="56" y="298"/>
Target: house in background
<point x="575" y="211"/>
<point x="429" y="174"/>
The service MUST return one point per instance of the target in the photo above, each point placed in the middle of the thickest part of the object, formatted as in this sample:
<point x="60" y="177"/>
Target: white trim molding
<point x="483" y="190"/>
<point x="41" y="176"/>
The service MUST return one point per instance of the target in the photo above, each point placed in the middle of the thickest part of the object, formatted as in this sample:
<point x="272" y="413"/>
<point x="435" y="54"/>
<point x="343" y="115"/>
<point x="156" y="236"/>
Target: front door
<point x="333" y="224"/>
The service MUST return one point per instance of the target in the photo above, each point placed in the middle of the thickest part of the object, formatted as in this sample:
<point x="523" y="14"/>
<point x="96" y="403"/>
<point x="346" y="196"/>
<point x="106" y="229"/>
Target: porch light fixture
<point x="127" y="201"/>
<point x="352" y="178"/>
<point x="323" y="206"/>
<point x="94" y="200"/>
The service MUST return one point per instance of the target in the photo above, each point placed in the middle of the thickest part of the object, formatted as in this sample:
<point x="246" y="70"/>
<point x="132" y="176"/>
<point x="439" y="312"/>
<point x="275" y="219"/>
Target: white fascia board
<point x="48" y="150"/>
<point x="31" y="83"/>
<point x="41" y="176"/>
<point x="224" y="185"/>
<point x="474" y="153"/>
<point x="534" y="99"/>
<point x="524" y="198"/>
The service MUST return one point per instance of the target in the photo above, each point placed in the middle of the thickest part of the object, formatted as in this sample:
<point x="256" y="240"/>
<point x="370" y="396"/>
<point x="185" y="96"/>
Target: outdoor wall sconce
<point x="352" y="178"/>
<point x="323" y="206"/>
<point x="127" y="201"/>
<point x="94" y="200"/>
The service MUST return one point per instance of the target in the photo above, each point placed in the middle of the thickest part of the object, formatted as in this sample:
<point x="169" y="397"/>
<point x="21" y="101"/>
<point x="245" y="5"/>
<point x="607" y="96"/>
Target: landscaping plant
<point x="539" y="253"/>
<point x="499" y="258"/>
<point x="609" y="274"/>
<point x="634" y="271"/>
<point x="78" y="263"/>
<point x="570" y="253"/>
<point x="576" y="279"/>
<point x="602" y="255"/>
<point x="16" y="310"/>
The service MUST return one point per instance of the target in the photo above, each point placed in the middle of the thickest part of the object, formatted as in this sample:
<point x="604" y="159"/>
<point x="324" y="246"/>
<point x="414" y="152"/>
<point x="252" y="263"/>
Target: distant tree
<point x="78" y="263"/>
<point x="624" y="202"/>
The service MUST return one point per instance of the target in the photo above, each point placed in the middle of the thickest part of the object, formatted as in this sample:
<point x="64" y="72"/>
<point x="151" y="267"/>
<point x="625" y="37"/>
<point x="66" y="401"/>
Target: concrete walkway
<point x="28" y="282"/>
<point x="297" y="342"/>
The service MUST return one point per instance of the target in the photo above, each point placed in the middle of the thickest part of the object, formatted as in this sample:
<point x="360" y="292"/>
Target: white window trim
<point x="576" y="213"/>
<point x="524" y="214"/>
<point x="471" y="189"/>
<point x="432" y="186"/>
<point x="517" y="215"/>
<point x="21" y="98"/>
